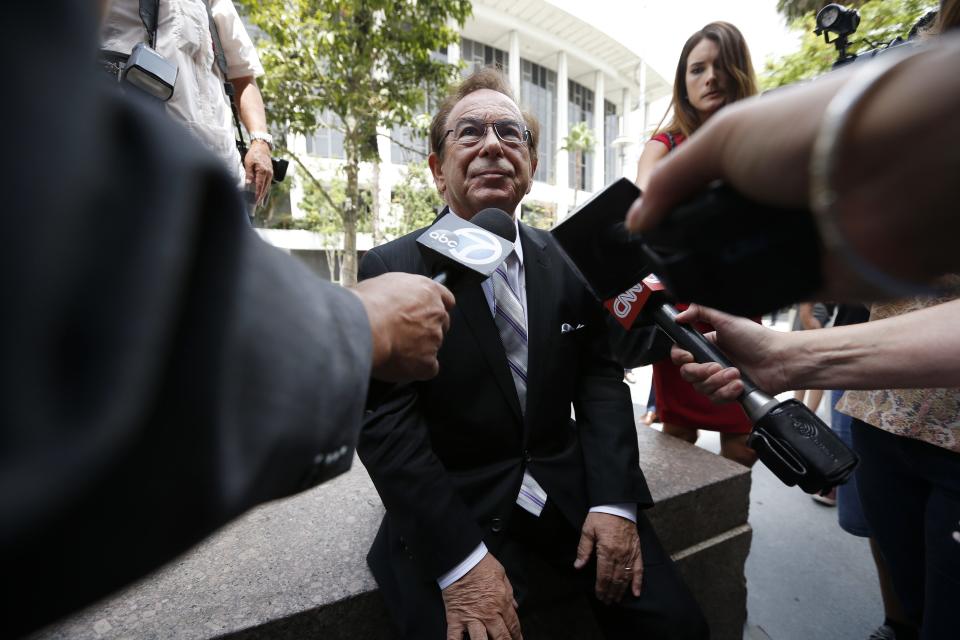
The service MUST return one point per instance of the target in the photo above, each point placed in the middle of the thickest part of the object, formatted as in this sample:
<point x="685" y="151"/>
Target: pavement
<point x="806" y="577"/>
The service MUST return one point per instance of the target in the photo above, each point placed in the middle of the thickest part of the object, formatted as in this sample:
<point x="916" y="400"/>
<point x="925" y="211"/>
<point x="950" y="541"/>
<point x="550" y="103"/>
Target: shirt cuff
<point x="627" y="510"/>
<point x="464" y="567"/>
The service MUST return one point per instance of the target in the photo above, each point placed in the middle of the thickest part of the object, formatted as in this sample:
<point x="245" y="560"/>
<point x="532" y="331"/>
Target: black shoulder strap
<point x="150" y="16"/>
<point x="673" y="142"/>
<point x="227" y="86"/>
<point x="217" y="45"/>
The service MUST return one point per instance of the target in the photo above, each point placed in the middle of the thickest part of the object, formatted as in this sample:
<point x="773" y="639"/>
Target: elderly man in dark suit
<point x="495" y="497"/>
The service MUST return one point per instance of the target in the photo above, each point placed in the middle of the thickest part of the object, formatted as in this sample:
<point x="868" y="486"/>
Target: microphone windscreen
<point x="496" y="221"/>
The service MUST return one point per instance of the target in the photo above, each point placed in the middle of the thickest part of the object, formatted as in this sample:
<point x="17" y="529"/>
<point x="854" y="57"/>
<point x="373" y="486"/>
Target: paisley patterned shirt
<point x="930" y="415"/>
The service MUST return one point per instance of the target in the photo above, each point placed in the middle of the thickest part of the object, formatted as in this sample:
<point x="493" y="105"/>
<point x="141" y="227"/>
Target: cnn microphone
<point x="788" y="437"/>
<point x="460" y="252"/>
<point x="648" y="302"/>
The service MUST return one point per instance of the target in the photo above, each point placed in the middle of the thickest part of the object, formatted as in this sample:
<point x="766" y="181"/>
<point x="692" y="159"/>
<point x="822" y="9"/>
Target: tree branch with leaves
<point x="369" y="62"/>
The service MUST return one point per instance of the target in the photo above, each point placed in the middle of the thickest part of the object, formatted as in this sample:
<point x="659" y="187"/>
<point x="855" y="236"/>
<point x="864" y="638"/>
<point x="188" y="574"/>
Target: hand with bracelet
<point x="894" y="187"/>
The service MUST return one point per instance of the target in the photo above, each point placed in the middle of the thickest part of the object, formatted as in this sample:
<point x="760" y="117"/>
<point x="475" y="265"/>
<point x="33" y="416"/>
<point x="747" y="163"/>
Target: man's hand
<point x="481" y="603"/>
<point x="259" y="168"/>
<point x="751" y="346"/>
<point x="408" y="317"/>
<point x="619" y="562"/>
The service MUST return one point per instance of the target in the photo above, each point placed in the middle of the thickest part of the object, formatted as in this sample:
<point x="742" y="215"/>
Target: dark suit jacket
<point x="163" y="368"/>
<point x="447" y="456"/>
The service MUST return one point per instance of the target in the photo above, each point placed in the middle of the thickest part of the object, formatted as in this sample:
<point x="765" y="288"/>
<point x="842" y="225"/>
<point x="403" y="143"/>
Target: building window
<point x="406" y="143"/>
<point x="327" y="141"/>
<point x="406" y="146"/>
<point x="611" y="129"/>
<point x="580" y="109"/>
<point x="538" y="94"/>
<point x="477" y="55"/>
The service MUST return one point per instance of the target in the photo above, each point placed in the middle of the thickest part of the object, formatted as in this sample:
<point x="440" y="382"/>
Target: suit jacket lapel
<point x="472" y="306"/>
<point x="540" y="298"/>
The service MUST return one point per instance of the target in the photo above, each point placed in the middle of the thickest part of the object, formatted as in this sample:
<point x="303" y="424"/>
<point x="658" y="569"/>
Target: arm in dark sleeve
<point x="164" y="369"/>
<point x="421" y="501"/>
<point x="605" y="422"/>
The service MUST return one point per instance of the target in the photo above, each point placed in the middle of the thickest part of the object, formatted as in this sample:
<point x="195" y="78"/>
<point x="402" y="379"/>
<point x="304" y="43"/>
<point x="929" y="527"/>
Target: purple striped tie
<point x="510" y="321"/>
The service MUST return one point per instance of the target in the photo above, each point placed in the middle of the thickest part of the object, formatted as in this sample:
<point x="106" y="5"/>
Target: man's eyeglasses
<point x="468" y="132"/>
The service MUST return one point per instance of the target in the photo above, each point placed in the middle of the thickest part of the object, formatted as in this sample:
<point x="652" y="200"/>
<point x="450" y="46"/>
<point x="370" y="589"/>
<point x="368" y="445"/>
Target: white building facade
<point x="562" y="70"/>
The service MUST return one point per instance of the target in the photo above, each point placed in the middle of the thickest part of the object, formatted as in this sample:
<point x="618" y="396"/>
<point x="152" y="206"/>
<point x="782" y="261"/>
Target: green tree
<point x="881" y="21"/>
<point x="414" y="201"/>
<point x="541" y="215"/>
<point x="580" y="141"/>
<point x="369" y="62"/>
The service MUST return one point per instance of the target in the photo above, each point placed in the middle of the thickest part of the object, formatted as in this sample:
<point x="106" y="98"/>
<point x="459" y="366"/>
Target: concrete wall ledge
<point x="296" y="568"/>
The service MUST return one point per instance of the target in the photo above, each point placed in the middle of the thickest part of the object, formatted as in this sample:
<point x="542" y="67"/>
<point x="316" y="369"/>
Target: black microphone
<point x="460" y="252"/>
<point x="788" y="437"/>
<point x="705" y="250"/>
<point x="648" y="302"/>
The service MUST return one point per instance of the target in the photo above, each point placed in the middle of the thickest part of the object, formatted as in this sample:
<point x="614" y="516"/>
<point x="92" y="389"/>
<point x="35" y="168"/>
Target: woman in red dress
<point x="714" y="70"/>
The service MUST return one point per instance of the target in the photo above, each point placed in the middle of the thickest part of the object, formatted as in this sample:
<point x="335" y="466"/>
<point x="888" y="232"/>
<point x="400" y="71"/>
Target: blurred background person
<point x="714" y="70"/>
<point x="850" y="515"/>
<point x="908" y="483"/>
<point x="191" y="34"/>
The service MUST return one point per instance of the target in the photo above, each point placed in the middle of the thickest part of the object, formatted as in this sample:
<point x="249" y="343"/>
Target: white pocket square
<point x="567" y="327"/>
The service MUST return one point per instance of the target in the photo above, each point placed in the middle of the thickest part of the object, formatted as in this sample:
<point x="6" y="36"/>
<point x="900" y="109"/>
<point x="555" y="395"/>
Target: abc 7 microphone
<point x="459" y="252"/>
<point x="788" y="438"/>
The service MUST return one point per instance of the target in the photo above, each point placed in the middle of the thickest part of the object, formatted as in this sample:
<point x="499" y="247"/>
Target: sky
<point x="657" y="29"/>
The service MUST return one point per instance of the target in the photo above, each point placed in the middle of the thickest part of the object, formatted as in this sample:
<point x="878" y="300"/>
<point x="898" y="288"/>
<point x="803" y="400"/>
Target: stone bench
<point x="296" y="568"/>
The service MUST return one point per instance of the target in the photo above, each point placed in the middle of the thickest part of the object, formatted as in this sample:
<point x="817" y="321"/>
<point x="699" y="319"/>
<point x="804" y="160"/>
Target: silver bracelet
<point x="823" y="167"/>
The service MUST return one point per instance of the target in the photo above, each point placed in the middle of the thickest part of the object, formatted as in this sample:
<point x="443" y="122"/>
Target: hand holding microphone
<point x="751" y="346"/>
<point x="460" y="252"/>
<point x="787" y="436"/>
<point x="408" y="316"/>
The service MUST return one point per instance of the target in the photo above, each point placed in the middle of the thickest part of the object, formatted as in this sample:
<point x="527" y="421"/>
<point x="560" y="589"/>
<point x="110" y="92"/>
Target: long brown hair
<point x="949" y="15"/>
<point x="733" y="60"/>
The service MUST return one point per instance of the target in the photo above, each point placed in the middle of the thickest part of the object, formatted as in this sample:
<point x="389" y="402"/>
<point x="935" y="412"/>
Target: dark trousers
<point x="910" y="492"/>
<point x="542" y="571"/>
<point x="538" y="555"/>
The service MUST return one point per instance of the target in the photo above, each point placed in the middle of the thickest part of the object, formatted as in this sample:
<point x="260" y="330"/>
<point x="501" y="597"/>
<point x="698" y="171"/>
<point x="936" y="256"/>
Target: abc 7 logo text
<point x="470" y="245"/>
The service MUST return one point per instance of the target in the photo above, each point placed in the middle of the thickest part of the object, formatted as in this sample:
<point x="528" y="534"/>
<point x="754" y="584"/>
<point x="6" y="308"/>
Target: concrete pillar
<point x="298" y="143"/>
<point x="563" y="129"/>
<point x="513" y="61"/>
<point x="628" y="162"/>
<point x="599" y="151"/>
<point x="383" y="184"/>
<point x="644" y="102"/>
<point x="453" y="49"/>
